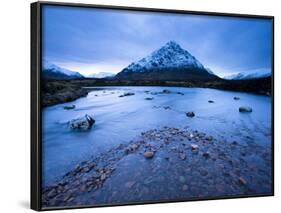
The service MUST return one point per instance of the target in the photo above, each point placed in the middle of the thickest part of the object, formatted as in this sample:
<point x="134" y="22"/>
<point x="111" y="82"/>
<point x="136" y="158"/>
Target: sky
<point x="91" y="40"/>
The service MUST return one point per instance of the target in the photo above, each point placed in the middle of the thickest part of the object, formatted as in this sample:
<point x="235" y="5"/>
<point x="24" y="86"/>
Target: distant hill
<point x="52" y="71"/>
<point x="101" y="75"/>
<point x="249" y="75"/>
<point x="170" y="62"/>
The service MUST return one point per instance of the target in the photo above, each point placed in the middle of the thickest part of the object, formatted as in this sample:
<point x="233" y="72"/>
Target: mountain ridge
<point x="170" y="62"/>
<point x="52" y="71"/>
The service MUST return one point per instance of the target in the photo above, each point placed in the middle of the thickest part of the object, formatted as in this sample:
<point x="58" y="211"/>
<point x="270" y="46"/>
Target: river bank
<point x="62" y="91"/>
<point x="164" y="164"/>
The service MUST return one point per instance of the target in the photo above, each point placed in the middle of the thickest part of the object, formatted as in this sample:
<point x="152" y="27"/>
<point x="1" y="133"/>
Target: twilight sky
<point x="96" y="40"/>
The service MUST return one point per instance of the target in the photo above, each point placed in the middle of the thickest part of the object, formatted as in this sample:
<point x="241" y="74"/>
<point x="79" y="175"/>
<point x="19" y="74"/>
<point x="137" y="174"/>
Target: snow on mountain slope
<point x="101" y="75"/>
<point x="50" y="69"/>
<point x="249" y="75"/>
<point x="171" y="55"/>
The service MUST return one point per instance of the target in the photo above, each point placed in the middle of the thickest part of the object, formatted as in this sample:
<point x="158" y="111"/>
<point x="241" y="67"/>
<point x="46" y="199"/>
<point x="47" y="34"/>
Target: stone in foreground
<point x="83" y="123"/>
<point x="245" y="109"/>
<point x="148" y="154"/>
<point x="190" y="114"/>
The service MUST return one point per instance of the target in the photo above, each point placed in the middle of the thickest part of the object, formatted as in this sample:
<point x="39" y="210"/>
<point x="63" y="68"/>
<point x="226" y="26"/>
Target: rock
<point x="180" y="93"/>
<point x="236" y="98"/>
<point x="242" y="181"/>
<point x="203" y="172"/>
<point x="194" y="147"/>
<point x="134" y="147"/>
<point x="206" y="155"/>
<point x="211" y="101"/>
<point x="103" y="177"/>
<point x="166" y="91"/>
<point x="126" y="94"/>
<point x="129" y="184"/>
<point x="234" y="143"/>
<point x="209" y="138"/>
<point x="190" y="114"/>
<point x="83" y="123"/>
<point x="148" y="154"/>
<point x="148" y="99"/>
<point x="182" y="156"/>
<point x="184" y="187"/>
<point x="52" y="193"/>
<point x="181" y="179"/>
<point x="69" y="107"/>
<point x="245" y="109"/>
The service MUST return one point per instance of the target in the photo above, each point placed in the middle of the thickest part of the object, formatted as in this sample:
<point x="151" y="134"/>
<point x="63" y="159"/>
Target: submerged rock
<point x="148" y="99"/>
<point x="245" y="109"/>
<point x="180" y="93"/>
<point x="190" y="114"/>
<point x="126" y="94"/>
<point x="69" y="107"/>
<point x="83" y="123"/>
<point x="166" y="91"/>
<point x="236" y="98"/>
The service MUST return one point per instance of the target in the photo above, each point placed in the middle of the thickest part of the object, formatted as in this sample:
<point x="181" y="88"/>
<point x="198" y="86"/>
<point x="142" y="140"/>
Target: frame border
<point x="36" y="112"/>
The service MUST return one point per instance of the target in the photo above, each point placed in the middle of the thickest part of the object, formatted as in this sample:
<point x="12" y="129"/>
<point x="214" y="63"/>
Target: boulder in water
<point x="82" y="123"/>
<point x="245" y="109"/>
<point x="126" y="94"/>
<point x="190" y="114"/>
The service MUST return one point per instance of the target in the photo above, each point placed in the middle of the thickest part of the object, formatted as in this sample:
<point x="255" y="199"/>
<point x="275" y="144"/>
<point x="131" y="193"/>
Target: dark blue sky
<point x="96" y="40"/>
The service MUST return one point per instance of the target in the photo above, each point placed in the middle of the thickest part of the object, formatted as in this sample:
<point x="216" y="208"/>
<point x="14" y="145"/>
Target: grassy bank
<point x="61" y="91"/>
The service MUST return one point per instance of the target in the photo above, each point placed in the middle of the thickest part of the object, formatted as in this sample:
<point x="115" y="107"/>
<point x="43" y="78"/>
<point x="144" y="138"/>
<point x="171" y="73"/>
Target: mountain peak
<point x="171" y="55"/>
<point x="170" y="61"/>
<point x="172" y="44"/>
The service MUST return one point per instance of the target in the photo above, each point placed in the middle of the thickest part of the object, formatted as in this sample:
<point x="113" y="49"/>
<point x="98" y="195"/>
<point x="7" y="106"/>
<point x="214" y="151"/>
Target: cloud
<point x="99" y="40"/>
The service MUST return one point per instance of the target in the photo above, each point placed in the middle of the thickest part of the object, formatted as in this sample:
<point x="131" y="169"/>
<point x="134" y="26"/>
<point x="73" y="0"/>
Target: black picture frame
<point x="36" y="59"/>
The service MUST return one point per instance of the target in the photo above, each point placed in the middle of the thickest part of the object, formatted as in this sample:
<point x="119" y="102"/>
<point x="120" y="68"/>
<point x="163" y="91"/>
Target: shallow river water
<point x="122" y="119"/>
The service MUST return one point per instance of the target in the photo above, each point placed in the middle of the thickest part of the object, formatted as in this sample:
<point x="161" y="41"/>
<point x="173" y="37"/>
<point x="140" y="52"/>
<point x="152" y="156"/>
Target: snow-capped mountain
<point x="170" y="62"/>
<point x="101" y="75"/>
<point x="255" y="74"/>
<point x="55" y="72"/>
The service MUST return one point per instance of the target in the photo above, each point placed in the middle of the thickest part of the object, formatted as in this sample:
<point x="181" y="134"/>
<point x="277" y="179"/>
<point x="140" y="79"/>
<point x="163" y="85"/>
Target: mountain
<point x="170" y="62"/>
<point x="52" y="71"/>
<point x="249" y="75"/>
<point x="101" y="75"/>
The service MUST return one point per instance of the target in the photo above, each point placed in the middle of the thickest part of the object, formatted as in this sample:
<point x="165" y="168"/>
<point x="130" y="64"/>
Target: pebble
<point x="129" y="184"/>
<point x="148" y="154"/>
<point x="184" y="187"/>
<point x="181" y="179"/>
<point x="182" y="156"/>
<point x="194" y="147"/>
<point x="206" y="155"/>
<point x="203" y="172"/>
<point x="242" y="181"/>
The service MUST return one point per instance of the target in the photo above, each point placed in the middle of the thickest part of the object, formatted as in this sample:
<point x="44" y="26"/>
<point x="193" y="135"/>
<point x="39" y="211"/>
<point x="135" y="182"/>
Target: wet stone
<point x="148" y="154"/>
<point x="181" y="179"/>
<point x="190" y="114"/>
<point x="206" y="155"/>
<point x="129" y="184"/>
<point x="184" y="187"/>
